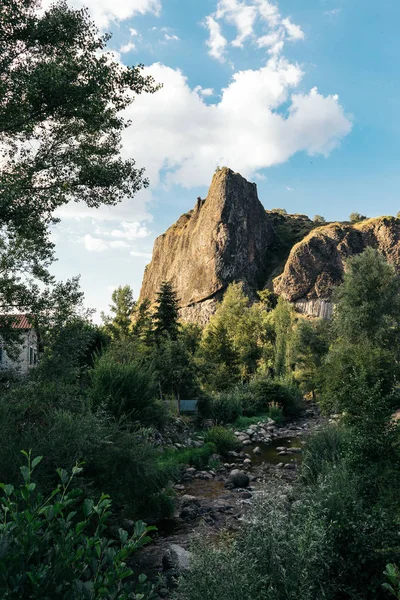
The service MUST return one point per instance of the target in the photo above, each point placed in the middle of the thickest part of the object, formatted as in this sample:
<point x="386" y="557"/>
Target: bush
<point x="223" y="439"/>
<point x="263" y="391"/>
<point x="323" y="450"/>
<point x="224" y="407"/>
<point x="55" y="547"/>
<point x="119" y="459"/>
<point x="126" y="390"/>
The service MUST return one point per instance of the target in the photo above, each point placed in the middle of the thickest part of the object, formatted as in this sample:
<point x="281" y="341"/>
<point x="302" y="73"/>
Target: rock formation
<point x="316" y="264"/>
<point x="225" y="238"/>
<point x="229" y="236"/>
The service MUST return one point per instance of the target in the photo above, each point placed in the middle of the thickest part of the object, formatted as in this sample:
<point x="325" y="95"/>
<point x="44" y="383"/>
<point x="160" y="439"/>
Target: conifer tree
<point x="166" y="313"/>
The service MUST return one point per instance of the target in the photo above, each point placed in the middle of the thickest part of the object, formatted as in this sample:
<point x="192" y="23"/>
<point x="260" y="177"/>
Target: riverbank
<point x="218" y="499"/>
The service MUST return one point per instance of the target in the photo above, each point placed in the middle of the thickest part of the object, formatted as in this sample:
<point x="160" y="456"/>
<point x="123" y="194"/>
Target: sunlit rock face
<point x="225" y="238"/>
<point x="316" y="264"/>
<point x="229" y="236"/>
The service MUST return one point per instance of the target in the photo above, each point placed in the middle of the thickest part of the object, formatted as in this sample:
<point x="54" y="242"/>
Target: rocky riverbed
<point x="217" y="499"/>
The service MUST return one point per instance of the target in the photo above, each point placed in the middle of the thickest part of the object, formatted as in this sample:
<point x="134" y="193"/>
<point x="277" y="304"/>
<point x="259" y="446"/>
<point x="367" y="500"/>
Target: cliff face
<point x="230" y="237"/>
<point x="316" y="264"/>
<point x="225" y="238"/>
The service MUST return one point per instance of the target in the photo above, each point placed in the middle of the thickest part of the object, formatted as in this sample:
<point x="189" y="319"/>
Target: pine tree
<point x="166" y="314"/>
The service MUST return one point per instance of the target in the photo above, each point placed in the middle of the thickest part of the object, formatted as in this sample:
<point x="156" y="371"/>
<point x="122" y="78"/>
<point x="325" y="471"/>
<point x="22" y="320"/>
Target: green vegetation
<point x="58" y="547"/>
<point x="101" y="410"/>
<point x="334" y="535"/>
<point x="223" y="439"/>
<point x="356" y="217"/>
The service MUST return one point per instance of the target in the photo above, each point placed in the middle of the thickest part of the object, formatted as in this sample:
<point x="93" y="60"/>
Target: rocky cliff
<point x="316" y="264"/>
<point x="225" y="238"/>
<point x="229" y="236"/>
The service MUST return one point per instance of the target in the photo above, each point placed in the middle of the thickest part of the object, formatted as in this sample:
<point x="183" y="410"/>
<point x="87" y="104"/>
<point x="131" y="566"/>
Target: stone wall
<point x="29" y="349"/>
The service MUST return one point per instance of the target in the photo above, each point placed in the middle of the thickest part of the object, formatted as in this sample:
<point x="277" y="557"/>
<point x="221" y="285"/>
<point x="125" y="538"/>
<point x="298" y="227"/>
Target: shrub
<point x="119" y="458"/>
<point x="223" y="439"/>
<point x="261" y="391"/>
<point x="126" y="390"/>
<point x="224" y="407"/>
<point x="56" y="547"/>
<point x="392" y="574"/>
<point x="323" y="450"/>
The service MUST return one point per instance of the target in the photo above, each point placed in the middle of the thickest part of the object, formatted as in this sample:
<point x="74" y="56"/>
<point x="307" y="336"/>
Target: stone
<point x="247" y="462"/>
<point x="290" y="465"/>
<point x="198" y="444"/>
<point x="280" y="465"/>
<point x="188" y="499"/>
<point x="281" y="449"/>
<point x="257" y="450"/>
<point x="238" y="478"/>
<point x="176" y="558"/>
<point x="282" y="453"/>
<point x="246" y="442"/>
<point x="190" y="471"/>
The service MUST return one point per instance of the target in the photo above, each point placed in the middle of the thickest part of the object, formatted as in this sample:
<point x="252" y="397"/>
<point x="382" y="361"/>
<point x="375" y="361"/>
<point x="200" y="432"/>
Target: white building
<point x="29" y="348"/>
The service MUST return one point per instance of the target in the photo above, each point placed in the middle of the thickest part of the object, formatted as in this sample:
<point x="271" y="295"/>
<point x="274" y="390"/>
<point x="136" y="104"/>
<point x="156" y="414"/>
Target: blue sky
<point x="300" y="96"/>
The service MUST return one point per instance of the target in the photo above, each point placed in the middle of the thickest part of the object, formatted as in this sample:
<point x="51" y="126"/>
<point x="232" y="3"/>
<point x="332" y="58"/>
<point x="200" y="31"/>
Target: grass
<point x="175" y="460"/>
<point x="275" y="413"/>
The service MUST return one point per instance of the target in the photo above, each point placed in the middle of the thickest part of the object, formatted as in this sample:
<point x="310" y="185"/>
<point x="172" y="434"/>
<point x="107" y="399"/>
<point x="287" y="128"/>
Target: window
<point x="31" y="353"/>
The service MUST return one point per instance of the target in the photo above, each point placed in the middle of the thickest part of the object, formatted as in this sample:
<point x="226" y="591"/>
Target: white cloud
<point x="205" y="92"/>
<point x="244" y="130"/>
<point x="131" y="231"/>
<point x="93" y="244"/>
<point x="239" y="14"/>
<point x="294" y="31"/>
<point x="216" y="41"/>
<point x="170" y="37"/>
<point x="244" y="15"/>
<point x="289" y="189"/>
<point x="127" y="48"/>
<point x="106" y="11"/>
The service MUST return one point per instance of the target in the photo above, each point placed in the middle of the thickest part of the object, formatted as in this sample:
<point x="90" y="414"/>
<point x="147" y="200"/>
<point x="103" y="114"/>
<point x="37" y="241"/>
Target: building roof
<point x="19" y="321"/>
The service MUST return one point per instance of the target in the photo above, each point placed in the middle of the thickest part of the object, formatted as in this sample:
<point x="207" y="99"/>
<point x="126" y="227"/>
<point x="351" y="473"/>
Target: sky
<point x="300" y="96"/>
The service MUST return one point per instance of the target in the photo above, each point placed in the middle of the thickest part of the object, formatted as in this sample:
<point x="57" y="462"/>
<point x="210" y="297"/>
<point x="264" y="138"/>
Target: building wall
<point x="28" y="355"/>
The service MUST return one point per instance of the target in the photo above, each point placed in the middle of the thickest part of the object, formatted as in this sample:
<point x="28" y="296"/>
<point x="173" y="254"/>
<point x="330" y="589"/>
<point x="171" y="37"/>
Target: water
<point x="269" y="452"/>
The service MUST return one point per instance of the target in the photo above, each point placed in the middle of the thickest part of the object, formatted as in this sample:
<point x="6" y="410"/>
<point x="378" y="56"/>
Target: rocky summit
<point x="229" y="236"/>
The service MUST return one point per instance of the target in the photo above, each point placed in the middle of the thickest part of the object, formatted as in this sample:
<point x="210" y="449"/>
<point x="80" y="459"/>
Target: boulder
<point x="257" y="450"/>
<point x="176" y="558"/>
<point x="239" y="479"/>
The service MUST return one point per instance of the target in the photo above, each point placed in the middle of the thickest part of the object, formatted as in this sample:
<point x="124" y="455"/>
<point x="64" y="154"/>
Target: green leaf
<point x="31" y="487"/>
<point x="25" y="473"/>
<point x="36" y="461"/>
<point x="63" y="475"/>
<point x="88" y="507"/>
<point x="142" y="578"/>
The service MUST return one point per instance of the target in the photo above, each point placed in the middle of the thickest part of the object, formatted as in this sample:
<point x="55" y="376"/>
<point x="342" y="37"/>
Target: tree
<point x="283" y="321"/>
<point x="355" y="217"/>
<point x="123" y="306"/>
<point x="166" y="313"/>
<point x="368" y="301"/>
<point x="142" y="322"/>
<point x="319" y="219"/>
<point x="61" y="101"/>
<point x="217" y="358"/>
<point x="398" y="215"/>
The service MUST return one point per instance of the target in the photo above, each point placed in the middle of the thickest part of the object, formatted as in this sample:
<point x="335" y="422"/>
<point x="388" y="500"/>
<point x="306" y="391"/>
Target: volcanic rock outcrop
<point x="316" y="264"/>
<point x="229" y="236"/>
<point x="224" y="238"/>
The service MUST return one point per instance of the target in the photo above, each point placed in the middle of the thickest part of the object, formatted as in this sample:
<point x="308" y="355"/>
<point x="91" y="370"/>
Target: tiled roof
<point x="20" y="322"/>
